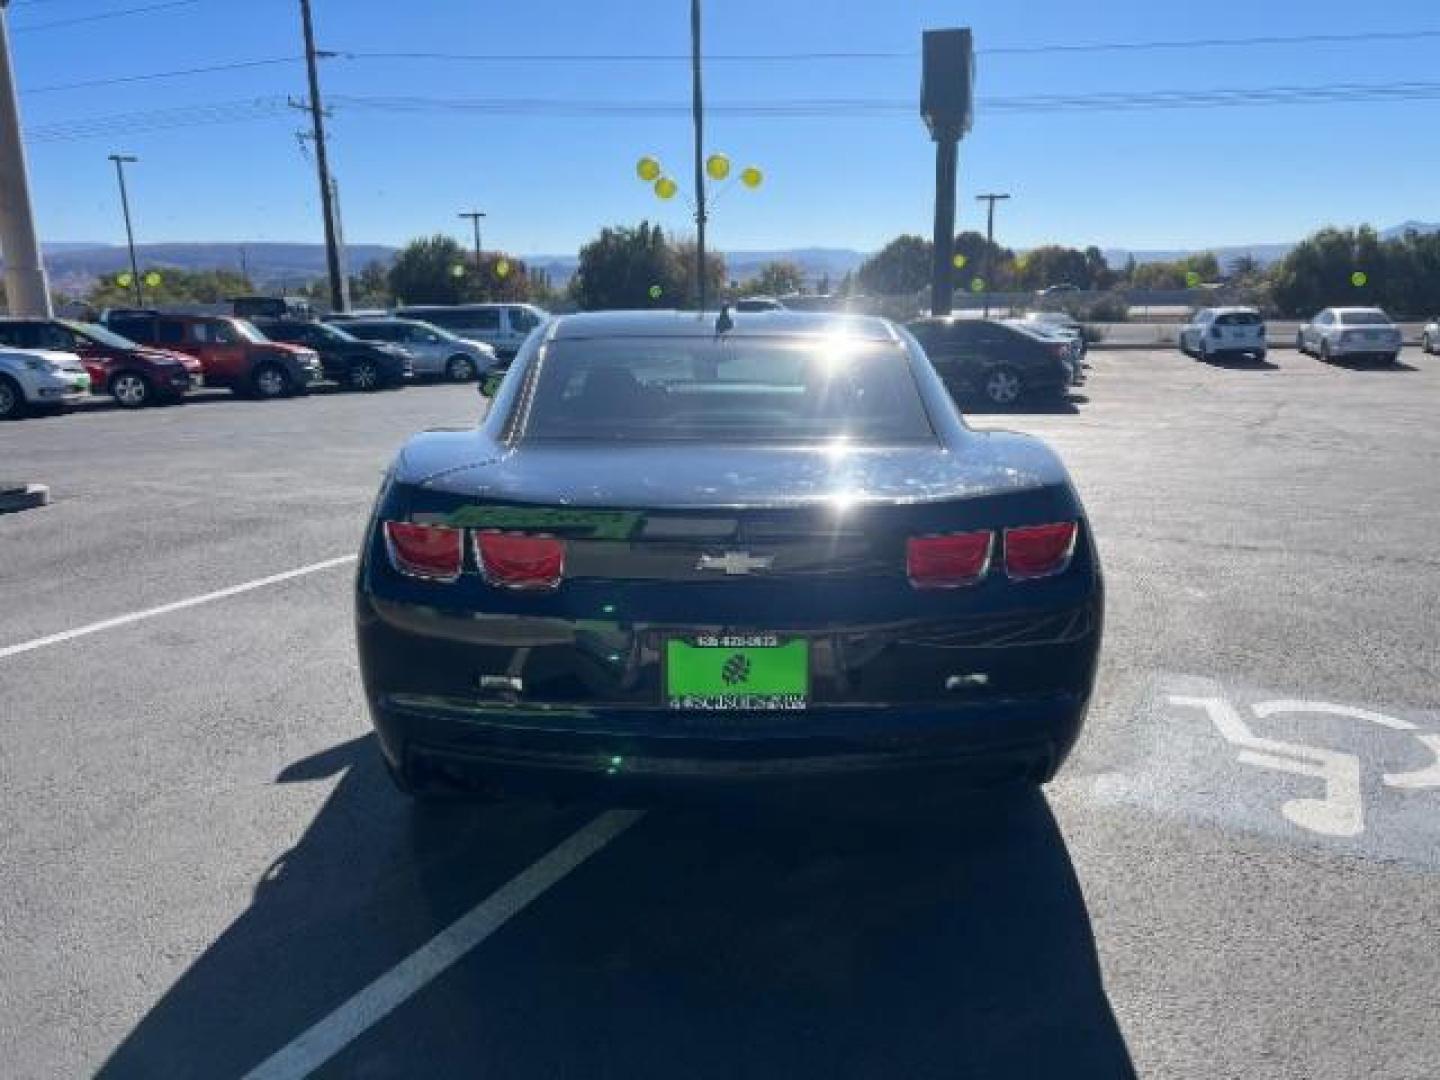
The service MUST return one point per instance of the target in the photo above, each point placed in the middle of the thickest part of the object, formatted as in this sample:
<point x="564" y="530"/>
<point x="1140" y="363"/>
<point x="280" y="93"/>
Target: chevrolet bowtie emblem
<point x="735" y="562"/>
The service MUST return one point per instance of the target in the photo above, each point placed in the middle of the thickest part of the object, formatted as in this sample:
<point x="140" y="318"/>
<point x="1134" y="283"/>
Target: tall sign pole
<point x="697" y="106"/>
<point x="947" y="105"/>
<point x="25" y="284"/>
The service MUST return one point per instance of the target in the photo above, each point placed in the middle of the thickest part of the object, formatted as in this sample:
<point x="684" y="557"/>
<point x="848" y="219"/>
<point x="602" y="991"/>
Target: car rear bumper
<point x="465" y="743"/>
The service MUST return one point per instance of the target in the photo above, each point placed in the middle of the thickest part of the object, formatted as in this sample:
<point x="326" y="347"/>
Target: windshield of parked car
<point x="735" y="390"/>
<point x="99" y="335"/>
<point x="246" y="330"/>
<point x="333" y="334"/>
<point x="1238" y="318"/>
<point x="1364" y="318"/>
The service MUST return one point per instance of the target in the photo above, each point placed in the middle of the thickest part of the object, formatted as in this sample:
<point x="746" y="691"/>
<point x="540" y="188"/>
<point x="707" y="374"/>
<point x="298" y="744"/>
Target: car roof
<point x="1356" y="310"/>
<point x="1234" y="309"/>
<point x="598" y="324"/>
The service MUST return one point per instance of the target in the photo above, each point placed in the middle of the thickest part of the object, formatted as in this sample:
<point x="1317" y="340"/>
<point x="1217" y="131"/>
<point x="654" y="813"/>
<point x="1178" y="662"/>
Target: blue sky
<point x="1155" y="179"/>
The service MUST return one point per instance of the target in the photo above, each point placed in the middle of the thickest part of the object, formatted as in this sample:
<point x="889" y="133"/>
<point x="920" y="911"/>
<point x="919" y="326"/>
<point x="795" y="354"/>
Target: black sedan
<point x="682" y="552"/>
<point x="1003" y="365"/>
<point x="360" y="365"/>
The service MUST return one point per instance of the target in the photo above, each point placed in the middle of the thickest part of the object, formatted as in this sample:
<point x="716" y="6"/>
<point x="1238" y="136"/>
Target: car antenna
<point x="724" y="323"/>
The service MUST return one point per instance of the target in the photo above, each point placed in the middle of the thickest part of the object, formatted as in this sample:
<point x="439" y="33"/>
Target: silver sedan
<point x="433" y="351"/>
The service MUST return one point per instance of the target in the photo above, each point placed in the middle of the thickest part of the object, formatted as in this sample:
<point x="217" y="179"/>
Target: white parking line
<point x="166" y="609"/>
<point x="327" y="1038"/>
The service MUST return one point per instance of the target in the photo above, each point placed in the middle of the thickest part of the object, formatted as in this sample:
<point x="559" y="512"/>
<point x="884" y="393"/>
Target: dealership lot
<point x="207" y="872"/>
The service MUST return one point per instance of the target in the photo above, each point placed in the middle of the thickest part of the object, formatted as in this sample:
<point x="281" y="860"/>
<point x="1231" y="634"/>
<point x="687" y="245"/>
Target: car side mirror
<point x="489" y="385"/>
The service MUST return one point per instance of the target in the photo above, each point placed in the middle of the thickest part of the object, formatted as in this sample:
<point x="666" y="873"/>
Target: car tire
<point x="364" y="376"/>
<point x="1325" y="352"/>
<point x="131" y="390"/>
<point x="1003" y="386"/>
<point x="269" y="381"/>
<point x="1426" y="346"/>
<point x="1394" y="359"/>
<point x="460" y="368"/>
<point x="1260" y="357"/>
<point x="12" y="399"/>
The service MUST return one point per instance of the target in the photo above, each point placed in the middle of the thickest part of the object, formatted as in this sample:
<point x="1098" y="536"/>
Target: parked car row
<point x="1351" y="333"/>
<point x="143" y="356"/>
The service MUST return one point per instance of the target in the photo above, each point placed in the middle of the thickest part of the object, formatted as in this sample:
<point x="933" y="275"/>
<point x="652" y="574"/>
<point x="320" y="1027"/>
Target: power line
<point x="237" y="65"/>
<point x="907" y="54"/>
<point x="122" y="13"/>
<point x="259" y="108"/>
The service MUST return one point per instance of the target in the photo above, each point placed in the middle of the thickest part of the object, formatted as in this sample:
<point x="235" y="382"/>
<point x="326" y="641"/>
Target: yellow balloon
<point x="457" y="271"/>
<point x="124" y="280"/>
<point x="959" y="261"/>
<point x="666" y="188"/>
<point x="502" y="268"/>
<point x="152" y="279"/>
<point x="717" y="166"/>
<point x="647" y="168"/>
<point x="751" y="176"/>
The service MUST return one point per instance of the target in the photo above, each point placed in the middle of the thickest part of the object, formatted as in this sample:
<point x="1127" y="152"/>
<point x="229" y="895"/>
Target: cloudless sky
<point x="1154" y="179"/>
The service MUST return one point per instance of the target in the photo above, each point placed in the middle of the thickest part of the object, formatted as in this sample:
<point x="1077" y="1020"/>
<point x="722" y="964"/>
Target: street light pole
<point x="25" y="284"/>
<point x="698" y="112"/>
<point x="475" y="216"/>
<point x="989" y="243"/>
<point x="120" y="161"/>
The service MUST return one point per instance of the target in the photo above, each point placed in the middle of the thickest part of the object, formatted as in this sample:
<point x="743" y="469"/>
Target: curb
<point x="15" y="496"/>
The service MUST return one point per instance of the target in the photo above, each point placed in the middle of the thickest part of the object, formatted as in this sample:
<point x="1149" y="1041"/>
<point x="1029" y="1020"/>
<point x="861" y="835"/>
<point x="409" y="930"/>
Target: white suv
<point x="1351" y="332"/>
<point x="1234" y="331"/>
<point x="39" y="377"/>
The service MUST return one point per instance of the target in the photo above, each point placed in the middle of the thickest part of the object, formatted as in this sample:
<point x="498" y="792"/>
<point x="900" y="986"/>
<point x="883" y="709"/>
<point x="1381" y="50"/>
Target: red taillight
<point x="1039" y="550"/>
<point x="425" y="551"/>
<point x="514" y="561"/>
<point x="948" y="562"/>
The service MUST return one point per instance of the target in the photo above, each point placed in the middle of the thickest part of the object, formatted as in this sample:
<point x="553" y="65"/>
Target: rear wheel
<point x="12" y="400"/>
<point x="460" y="368"/>
<point x="1300" y="345"/>
<point x="270" y="381"/>
<point x="364" y="375"/>
<point x="1325" y="351"/>
<point x="1003" y="386"/>
<point x="1426" y="345"/>
<point x="131" y="390"/>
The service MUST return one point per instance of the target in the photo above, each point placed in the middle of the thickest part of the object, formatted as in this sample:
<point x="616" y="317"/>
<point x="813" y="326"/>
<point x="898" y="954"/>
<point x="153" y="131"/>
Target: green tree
<point x="900" y="267"/>
<point x="621" y="266"/>
<point x="779" y="278"/>
<point x="1401" y="275"/>
<point x="423" y="272"/>
<point x="984" y="259"/>
<point x="371" y="287"/>
<point x="715" y="277"/>
<point x="1053" y="264"/>
<point x="174" y="287"/>
<point x="1176" y="274"/>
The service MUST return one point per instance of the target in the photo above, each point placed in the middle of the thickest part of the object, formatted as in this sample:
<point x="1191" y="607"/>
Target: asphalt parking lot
<point x="206" y="873"/>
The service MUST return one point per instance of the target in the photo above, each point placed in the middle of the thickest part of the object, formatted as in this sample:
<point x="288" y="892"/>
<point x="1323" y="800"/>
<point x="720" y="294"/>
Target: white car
<point x="39" y="378"/>
<point x="1232" y="331"/>
<point x="1351" y="332"/>
<point x="432" y="351"/>
<point x="1430" y="339"/>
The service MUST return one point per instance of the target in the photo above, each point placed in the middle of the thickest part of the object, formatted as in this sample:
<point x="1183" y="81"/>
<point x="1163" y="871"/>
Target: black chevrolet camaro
<point x="686" y="551"/>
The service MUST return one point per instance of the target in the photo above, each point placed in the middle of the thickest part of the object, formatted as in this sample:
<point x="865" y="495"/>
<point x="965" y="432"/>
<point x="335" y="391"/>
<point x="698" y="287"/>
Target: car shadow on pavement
<point x="1380" y="367"/>
<point x="737" y="941"/>
<point x="1057" y="406"/>
<point x="1240" y="363"/>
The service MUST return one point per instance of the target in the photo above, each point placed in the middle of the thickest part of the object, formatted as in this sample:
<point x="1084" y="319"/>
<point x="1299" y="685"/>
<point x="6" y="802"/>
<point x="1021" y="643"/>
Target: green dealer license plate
<point x="725" y="672"/>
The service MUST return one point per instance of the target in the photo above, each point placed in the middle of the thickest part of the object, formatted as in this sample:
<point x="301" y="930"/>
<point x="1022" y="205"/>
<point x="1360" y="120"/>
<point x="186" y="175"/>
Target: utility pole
<point x="989" y="243"/>
<point x="322" y="164"/>
<point x="698" y="110"/>
<point x="25" y="284"/>
<point x="120" y="162"/>
<point x="475" y="216"/>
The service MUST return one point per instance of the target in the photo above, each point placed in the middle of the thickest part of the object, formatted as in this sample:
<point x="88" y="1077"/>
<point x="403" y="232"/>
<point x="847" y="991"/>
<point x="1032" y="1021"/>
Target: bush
<point x="1108" y="308"/>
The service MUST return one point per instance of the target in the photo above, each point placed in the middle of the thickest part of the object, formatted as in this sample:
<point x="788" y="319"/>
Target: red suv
<point x="233" y="353"/>
<point x="132" y="374"/>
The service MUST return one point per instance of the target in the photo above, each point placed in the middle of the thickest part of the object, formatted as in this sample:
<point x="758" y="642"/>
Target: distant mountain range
<point x="74" y="265"/>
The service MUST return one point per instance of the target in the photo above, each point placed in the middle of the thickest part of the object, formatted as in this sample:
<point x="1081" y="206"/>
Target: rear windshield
<point x="737" y="390"/>
<point x="1238" y="318"/>
<point x="1364" y="318"/>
